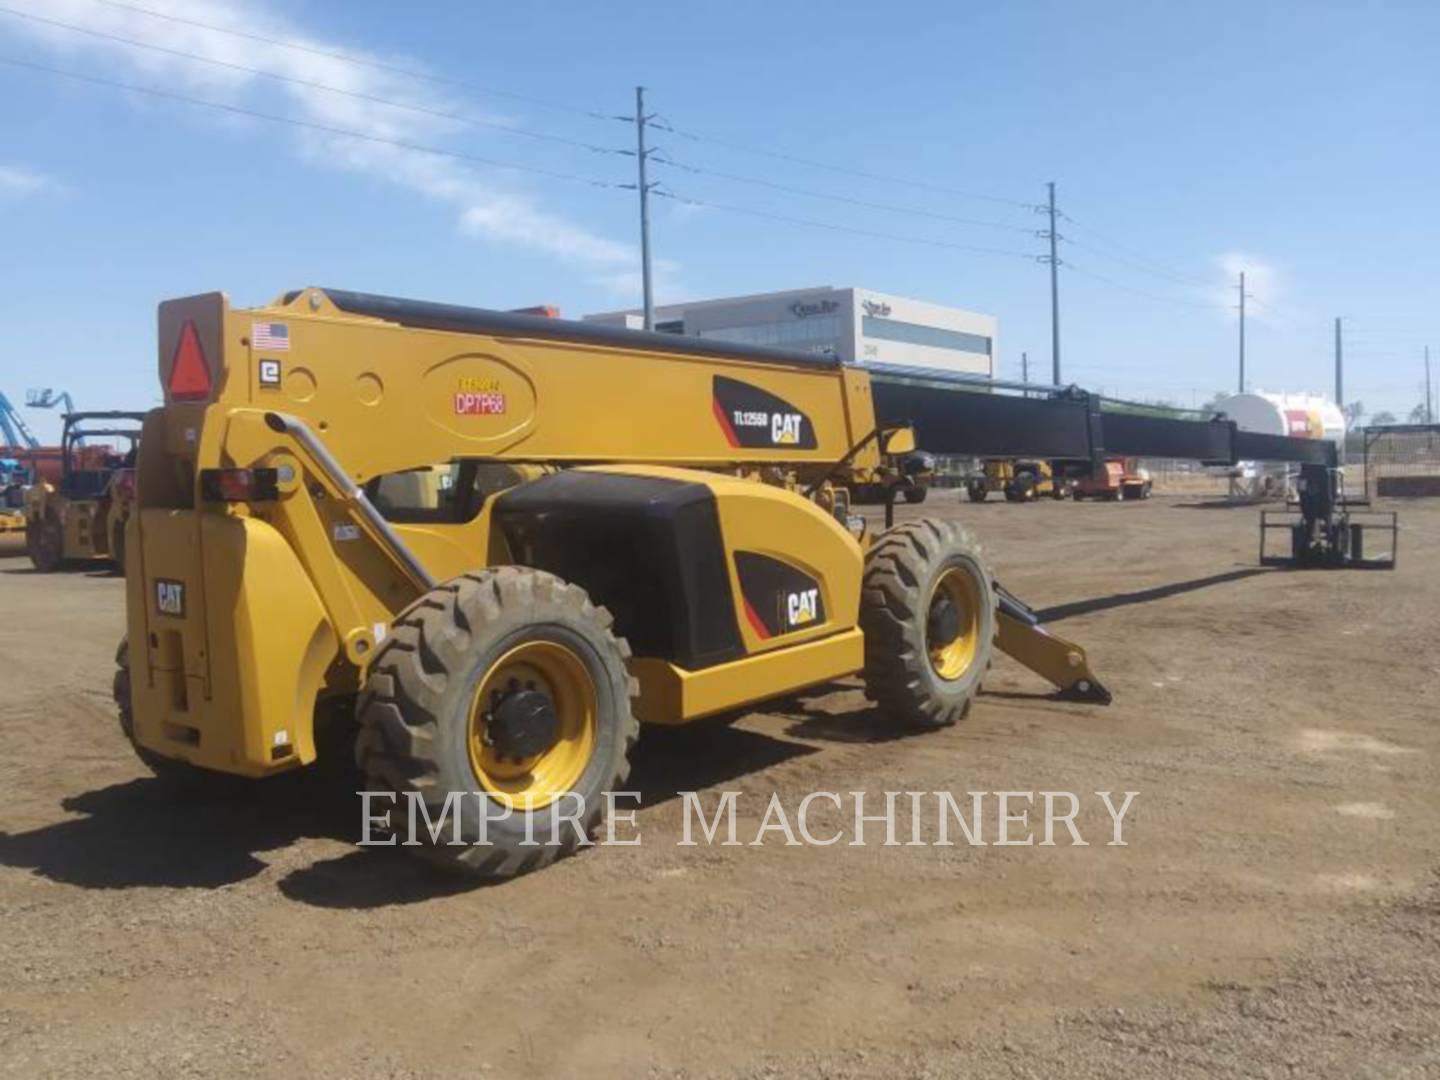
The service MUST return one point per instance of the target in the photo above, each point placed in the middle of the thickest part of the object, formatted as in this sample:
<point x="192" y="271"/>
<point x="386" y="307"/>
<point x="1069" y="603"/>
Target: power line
<point x="1276" y="313"/>
<point x="347" y="58"/>
<point x="774" y="186"/>
<point x="359" y="95"/>
<point x="1140" y="292"/>
<point x="1134" y="257"/>
<point x="1134" y="264"/>
<point x="1389" y="336"/>
<point x="769" y="216"/>
<point x="311" y="125"/>
<point x="813" y="164"/>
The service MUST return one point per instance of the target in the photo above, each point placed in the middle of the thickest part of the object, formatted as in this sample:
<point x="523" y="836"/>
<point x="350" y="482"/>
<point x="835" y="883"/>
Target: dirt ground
<point x="1276" y="911"/>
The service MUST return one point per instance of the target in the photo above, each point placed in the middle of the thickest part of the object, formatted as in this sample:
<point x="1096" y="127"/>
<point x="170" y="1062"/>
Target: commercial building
<point x="859" y="326"/>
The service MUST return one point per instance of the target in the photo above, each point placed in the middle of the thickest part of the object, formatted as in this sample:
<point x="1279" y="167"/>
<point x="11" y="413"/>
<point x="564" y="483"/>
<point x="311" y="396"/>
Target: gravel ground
<point x="1276" y="910"/>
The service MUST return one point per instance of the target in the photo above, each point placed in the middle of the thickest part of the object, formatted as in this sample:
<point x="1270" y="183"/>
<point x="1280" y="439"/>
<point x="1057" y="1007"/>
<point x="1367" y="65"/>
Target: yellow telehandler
<point x="497" y="543"/>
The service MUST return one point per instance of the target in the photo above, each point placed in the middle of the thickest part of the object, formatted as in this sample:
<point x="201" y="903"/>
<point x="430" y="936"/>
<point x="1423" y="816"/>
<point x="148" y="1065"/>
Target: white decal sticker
<point x="802" y="607"/>
<point x="169" y="597"/>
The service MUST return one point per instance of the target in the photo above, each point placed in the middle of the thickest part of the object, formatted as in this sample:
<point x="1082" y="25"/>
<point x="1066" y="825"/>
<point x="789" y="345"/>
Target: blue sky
<point x="1296" y="140"/>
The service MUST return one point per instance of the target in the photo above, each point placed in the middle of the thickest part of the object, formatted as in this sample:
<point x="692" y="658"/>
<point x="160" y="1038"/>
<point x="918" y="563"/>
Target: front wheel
<point x="45" y="544"/>
<point x="500" y="706"/>
<point x="928" y="612"/>
<point x="1021" y="489"/>
<point x="915" y="495"/>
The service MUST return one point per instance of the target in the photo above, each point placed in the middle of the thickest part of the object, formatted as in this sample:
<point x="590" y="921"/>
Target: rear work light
<point x="189" y="373"/>
<point x="239" y="485"/>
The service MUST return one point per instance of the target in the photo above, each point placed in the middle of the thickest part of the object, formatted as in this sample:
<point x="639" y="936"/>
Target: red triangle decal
<point x="189" y="373"/>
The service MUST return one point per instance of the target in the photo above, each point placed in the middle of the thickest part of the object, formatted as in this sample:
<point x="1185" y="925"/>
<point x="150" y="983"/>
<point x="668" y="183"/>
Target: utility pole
<point x="1243" y="295"/>
<point x="1429" y="400"/>
<point x="1025" y="370"/>
<point x="641" y="156"/>
<point x="1054" y="295"/>
<point x="1339" y="368"/>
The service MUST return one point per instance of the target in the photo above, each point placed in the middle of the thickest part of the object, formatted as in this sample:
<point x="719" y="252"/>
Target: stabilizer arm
<point x="1061" y="662"/>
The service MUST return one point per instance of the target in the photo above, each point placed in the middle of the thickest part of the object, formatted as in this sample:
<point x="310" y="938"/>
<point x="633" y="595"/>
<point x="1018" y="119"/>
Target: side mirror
<point x="897" y="441"/>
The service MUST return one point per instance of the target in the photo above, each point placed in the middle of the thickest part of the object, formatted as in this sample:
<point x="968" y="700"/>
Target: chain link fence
<point x="1397" y="460"/>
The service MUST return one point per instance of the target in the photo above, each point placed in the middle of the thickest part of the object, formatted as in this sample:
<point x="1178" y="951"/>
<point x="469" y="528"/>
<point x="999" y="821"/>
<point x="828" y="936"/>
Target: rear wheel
<point x="45" y="544"/>
<point x="976" y="491"/>
<point x="500" y="690"/>
<point x="928" y="613"/>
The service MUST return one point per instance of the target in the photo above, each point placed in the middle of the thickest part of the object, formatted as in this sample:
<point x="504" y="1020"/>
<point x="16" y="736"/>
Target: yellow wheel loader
<point x="1019" y="481"/>
<point x="498" y="543"/>
<point x="82" y="517"/>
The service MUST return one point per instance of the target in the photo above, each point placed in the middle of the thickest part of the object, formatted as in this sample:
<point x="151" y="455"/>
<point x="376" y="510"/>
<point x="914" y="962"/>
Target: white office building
<point x="859" y="326"/>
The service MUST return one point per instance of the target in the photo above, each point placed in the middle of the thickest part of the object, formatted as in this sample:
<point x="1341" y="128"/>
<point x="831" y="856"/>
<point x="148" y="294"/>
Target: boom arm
<point x="16" y="431"/>
<point x="963" y="417"/>
<point x="463" y="383"/>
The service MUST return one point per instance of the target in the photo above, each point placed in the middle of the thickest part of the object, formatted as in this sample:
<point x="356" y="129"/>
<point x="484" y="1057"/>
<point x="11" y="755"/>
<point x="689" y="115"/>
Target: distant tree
<point x="1354" y="413"/>
<point x="1213" y="404"/>
<point x="1420" y="414"/>
<point x="1381" y="418"/>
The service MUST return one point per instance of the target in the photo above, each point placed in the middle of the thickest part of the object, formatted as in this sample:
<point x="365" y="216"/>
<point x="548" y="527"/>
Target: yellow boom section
<point x="386" y="395"/>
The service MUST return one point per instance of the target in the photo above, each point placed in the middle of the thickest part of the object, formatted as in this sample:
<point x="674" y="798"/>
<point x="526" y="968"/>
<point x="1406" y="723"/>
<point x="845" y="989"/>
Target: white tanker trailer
<point x="1300" y="416"/>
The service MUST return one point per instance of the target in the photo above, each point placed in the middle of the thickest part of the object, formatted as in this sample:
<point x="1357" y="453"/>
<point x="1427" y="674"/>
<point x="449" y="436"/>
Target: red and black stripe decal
<point x="755" y="419"/>
<point x="724" y="420"/>
<point x="777" y="598"/>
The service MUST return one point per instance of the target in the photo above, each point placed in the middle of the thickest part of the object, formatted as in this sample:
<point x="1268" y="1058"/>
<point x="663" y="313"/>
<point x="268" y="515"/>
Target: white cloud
<point x="485" y="201"/>
<point x="17" y="182"/>
<point x="1264" y="285"/>
<point x="626" y="285"/>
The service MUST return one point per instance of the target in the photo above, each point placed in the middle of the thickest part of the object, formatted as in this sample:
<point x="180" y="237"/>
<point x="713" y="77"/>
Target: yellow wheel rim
<point x="536" y="780"/>
<point x="952" y="655"/>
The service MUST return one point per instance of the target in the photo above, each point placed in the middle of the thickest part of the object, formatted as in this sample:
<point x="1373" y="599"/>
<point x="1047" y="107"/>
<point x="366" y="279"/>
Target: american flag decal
<point x="270" y="336"/>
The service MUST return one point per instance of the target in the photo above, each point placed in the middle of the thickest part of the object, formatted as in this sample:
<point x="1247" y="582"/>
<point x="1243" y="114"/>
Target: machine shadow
<point x="668" y="761"/>
<point x="1227" y="504"/>
<point x="1144" y="596"/>
<point x="866" y="725"/>
<point x="144" y="833"/>
<point x="665" y="762"/>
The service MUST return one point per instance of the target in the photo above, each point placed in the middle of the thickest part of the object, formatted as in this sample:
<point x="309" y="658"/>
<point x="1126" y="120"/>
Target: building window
<point x="915" y="334"/>
<point x="792" y="333"/>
